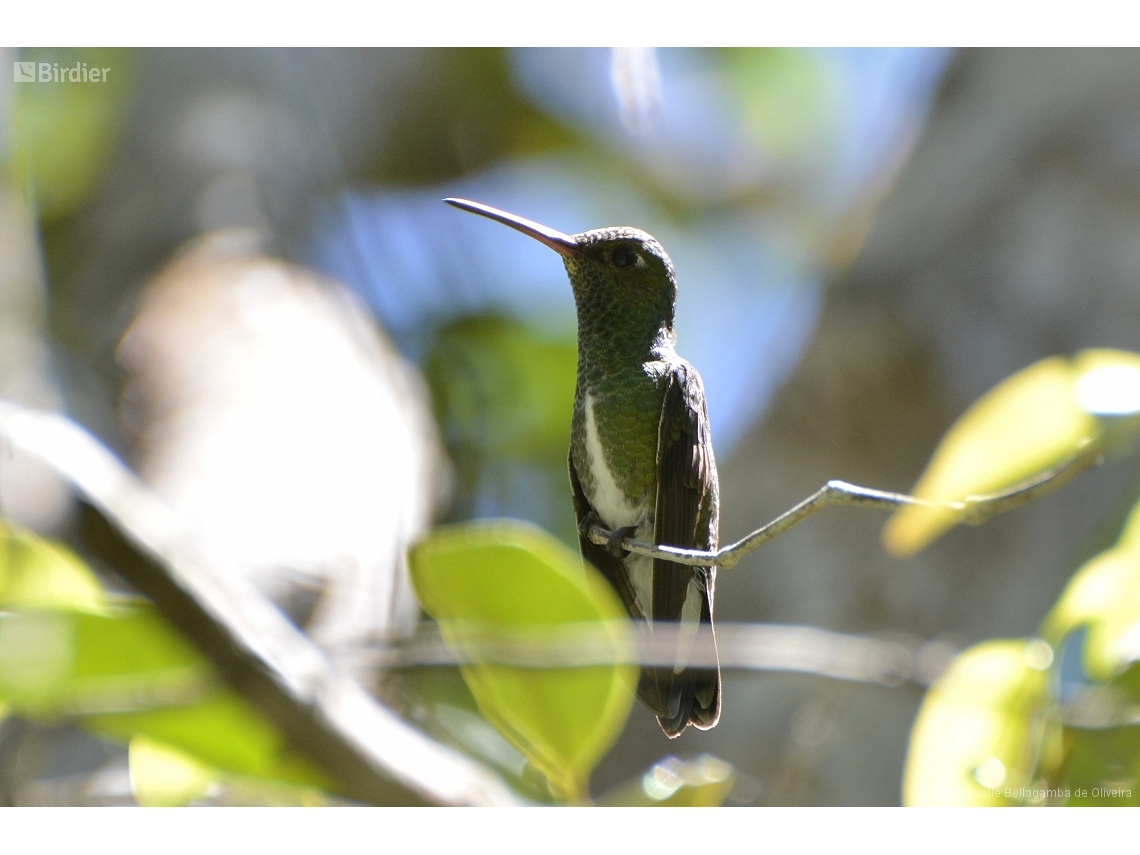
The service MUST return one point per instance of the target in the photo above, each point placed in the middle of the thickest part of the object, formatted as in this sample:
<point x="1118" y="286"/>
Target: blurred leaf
<point x="703" y="782"/>
<point x="127" y="673"/>
<point x="438" y="700"/>
<point x="75" y="663"/>
<point x="465" y="114"/>
<point x="1028" y="424"/>
<point x="1108" y="382"/>
<point x="982" y="727"/>
<point x="504" y="390"/>
<point x="789" y="96"/>
<point x="63" y="132"/>
<point x="224" y="731"/>
<point x="36" y="574"/>
<point x="1102" y="766"/>
<point x="162" y="776"/>
<point x="504" y="396"/>
<point x="1104" y="596"/>
<point x="62" y="642"/>
<point x="517" y="577"/>
<point x="67" y="650"/>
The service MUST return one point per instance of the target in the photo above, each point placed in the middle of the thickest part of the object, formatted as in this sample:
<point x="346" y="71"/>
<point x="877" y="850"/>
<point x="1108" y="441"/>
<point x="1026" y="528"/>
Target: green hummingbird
<point x="641" y="455"/>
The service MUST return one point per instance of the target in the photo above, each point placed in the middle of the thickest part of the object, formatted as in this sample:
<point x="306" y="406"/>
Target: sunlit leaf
<point x="36" y="655"/>
<point x="515" y="577"/>
<point x="1108" y="382"/>
<point x="702" y="782"/>
<point x="982" y="727"/>
<point x="223" y="731"/>
<point x="66" y="649"/>
<point x="162" y="776"/>
<point x="1102" y="766"/>
<point x="38" y="574"/>
<point x="55" y="662"/>
<point x="1026" y="425"/>
<point x="1104" y="597"/>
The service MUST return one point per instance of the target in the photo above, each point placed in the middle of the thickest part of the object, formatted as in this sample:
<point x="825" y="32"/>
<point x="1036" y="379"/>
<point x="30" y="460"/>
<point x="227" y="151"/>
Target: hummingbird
<point x="641" y="456"/>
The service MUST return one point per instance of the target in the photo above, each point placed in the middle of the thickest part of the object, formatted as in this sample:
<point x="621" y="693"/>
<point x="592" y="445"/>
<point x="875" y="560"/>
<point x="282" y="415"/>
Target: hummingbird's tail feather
<point x="706" y="681"/>
<point x="693" y="698"/>
<point x="706" y="699"/>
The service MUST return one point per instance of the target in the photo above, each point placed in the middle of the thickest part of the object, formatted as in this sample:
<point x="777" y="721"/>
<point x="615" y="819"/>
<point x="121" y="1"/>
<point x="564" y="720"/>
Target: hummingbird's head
<point x="618" y="271"/>
<point x="623" y="268"/>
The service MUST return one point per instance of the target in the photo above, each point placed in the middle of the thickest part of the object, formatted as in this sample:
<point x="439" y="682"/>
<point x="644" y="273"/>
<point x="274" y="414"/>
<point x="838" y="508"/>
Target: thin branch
<point x="323" y="713"/>
<point x="738" y="646"/>
<point x="974" y="510"/>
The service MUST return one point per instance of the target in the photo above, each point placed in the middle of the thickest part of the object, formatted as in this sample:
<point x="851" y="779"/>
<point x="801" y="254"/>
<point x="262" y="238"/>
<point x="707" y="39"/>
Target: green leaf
<point x="503" y="389"/>
<point x="162" y="776"/>
<point x="223" y="731"/>
<point x="983" y="727"/>
<point x="66" y="649"/>
<point x="1027" y="425"/>
<point x="1108" y="382"/>
<point x="702" y="782"/>
<point x="1104" y="596"/>
<point x="509" y="577"/>
<point x="56" y="663"/>
<point x="438" y="700"/>
<point x="37" y="574"/>
<point x="128" y="673"/>
<point x="1102" y="766"/>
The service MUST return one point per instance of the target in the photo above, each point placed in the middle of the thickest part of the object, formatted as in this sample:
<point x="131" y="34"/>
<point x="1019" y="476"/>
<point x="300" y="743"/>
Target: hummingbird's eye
<point x="625" y="257"/>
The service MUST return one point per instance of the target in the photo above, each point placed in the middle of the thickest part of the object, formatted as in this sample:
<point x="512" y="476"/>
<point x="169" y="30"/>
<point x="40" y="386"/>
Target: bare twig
<point x="326" y="715"/>
<point x="974" y="510"/>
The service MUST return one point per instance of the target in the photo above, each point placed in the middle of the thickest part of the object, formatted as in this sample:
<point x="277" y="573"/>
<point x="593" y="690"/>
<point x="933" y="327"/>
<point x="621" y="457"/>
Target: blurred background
<point x="233" y="266"/>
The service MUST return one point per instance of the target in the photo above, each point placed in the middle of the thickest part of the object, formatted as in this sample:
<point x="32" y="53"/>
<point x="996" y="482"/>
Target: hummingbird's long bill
<point x="560" y="243"/>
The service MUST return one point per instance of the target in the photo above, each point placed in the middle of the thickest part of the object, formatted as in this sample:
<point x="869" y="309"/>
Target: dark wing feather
<point x="687" y="515"/>
<point x="607" y="564"/>
<point x="687" y="499"/>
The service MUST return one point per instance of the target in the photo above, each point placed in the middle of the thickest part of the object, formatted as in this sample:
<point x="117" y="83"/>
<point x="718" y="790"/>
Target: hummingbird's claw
<point x="616" y="537"/>
<point x="587" y="522"/>
<point x="613" y="546"/>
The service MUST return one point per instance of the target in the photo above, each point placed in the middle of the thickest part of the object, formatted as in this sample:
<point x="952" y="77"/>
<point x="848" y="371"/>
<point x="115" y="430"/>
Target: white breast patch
<point x="617" y="511"/>
<point x="607" y="498"/>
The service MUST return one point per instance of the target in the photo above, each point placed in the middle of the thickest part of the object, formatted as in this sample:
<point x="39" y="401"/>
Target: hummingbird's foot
<point x="616" y="537"/>
<point x="613" y="546"/>
<point x="587" y="522"/>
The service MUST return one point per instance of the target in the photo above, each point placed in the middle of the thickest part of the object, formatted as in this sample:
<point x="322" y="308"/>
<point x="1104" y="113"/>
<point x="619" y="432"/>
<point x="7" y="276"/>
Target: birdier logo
<point x="50" y="72"/>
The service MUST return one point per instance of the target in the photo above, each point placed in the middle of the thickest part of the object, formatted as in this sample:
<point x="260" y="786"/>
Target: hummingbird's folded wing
<point x="686" y="516"/>
<point x="687" y="500"/>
